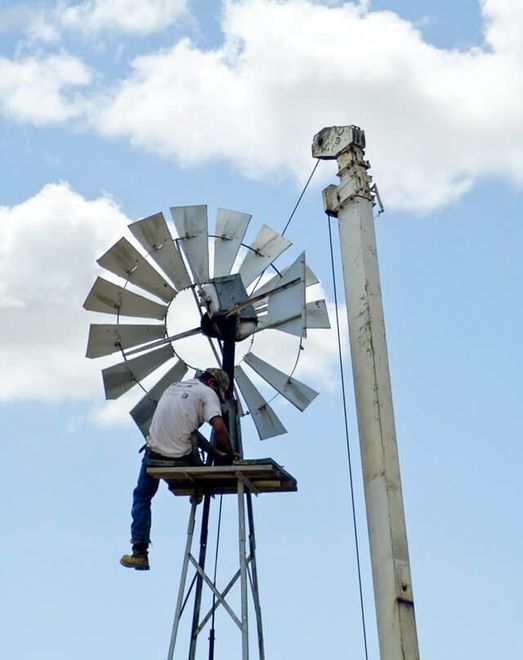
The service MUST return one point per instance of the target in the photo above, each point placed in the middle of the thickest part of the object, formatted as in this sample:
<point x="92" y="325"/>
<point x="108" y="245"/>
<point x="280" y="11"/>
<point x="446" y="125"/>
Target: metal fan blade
<point x="124" y="260"/>
<point x="105" y="339"/>
<point x="286" y="303"/>
<point x="260" y="307"/>
<point x="143" y="411"/>
<point x="316" y="314"/>
<point x="113" y="299"/>
<point x="120" y="378"/>
<point x="310" y="280"/>
<point x="230" y="230"/>
<point x="266" y="247"/>
<point x="191" y="225"/>
<point x="299" y="394"/>
<point x="153" y="233"/>
<point x="265" y="419"/>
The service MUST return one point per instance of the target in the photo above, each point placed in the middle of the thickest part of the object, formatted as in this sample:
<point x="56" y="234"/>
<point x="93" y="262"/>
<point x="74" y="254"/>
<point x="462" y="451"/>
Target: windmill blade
<point x="143" y="411"/>
<point x="299" y="394"/>
<point x="286" y="302"/>
<point x="105" y="339"/>
<point x="266" y="247"/>
<point x="191" y="225"/>
<point x="260" y="307"/>
<point x="121" y="377"/>
<point x="153" y="233"/>
<point x="316" y="314"/>
<point x="124" y="260"/>
<point x="310" y="280"/>
<point x="265" y="419"/>
<point x="230" y="231"/>
<point x="110" y="298"/>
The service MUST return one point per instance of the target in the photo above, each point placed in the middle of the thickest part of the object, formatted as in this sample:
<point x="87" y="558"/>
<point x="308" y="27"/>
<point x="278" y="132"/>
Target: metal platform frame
<point x="243" y="479"/>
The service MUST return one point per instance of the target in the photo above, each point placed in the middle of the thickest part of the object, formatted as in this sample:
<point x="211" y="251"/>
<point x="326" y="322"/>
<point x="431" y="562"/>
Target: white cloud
<point x="15" y="18"/>
<point x="36" y="90"/>
<point x="436" y="120"/>
<point x="114" y="413"/>
<point x="91" y="18"/>
<point x="48" y="248"/>
<point x="133" y="17"/>
<point x="504" y="19"/>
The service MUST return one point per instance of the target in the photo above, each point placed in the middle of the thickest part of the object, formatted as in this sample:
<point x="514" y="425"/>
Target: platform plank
<point x="262" y="476"/>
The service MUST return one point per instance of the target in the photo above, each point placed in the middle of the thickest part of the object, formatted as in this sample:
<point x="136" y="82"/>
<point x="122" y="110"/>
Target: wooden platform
<point x="260" y="476"/>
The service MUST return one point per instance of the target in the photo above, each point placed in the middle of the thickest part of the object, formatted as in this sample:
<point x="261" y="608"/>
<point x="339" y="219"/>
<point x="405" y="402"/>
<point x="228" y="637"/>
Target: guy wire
<point x="347" y="441"/>
<point x="211" y="638"/>
<point x="301" y="196"/>
<point x="291" y="216"/>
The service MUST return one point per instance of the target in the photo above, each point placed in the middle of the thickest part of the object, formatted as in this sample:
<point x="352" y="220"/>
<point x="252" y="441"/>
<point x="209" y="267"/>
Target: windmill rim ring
<point x="193" y="286"/>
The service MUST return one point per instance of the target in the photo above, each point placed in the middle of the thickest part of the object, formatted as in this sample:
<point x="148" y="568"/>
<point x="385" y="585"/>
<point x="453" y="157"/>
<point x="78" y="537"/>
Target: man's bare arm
<point x="222" y="437"/>
<point x="207" y="447"/>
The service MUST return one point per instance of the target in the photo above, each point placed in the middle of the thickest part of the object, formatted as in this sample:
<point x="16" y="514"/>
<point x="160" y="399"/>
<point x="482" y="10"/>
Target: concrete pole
<point x="352" y="202"/>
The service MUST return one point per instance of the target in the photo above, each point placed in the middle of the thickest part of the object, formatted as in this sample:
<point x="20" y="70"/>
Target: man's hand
<point x="223" y="439"/>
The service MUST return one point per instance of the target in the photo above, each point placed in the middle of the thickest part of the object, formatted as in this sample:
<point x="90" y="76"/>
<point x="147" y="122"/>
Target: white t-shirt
<point x="182" y="409"/>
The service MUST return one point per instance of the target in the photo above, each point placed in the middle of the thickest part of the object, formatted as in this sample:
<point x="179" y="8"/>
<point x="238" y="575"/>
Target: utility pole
<point x="352" y="203"/>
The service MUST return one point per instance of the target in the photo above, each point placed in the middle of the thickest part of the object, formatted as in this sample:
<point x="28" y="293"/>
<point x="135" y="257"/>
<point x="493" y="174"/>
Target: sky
<point x="113" y="111"/>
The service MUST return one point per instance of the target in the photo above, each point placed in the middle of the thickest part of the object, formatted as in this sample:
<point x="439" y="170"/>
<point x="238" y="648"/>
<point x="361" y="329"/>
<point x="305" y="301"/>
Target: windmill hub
<point x="230" y="315"/>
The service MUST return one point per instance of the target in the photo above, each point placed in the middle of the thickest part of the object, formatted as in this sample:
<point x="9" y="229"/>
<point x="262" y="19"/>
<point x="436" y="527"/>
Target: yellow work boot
<point x="139" y="559"/>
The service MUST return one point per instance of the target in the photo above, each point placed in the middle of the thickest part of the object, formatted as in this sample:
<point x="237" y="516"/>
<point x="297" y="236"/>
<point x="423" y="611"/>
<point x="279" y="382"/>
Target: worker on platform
<point x="173" y="441"/>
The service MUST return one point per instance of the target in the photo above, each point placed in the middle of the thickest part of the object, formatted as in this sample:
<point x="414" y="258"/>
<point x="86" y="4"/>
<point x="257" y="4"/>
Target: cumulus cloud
<point x="114" y="413"/>
<point x="48" y="247"/>
<point x="436" y="119"/>
<point x="137" y="17"/>
<point x="16" y="18"/>
<point x="504" y="19"/>
<point x="38" y="91"/>
<point x="95" y="17"/>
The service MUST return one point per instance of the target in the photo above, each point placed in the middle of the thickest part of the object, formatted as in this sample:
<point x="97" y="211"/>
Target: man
<point x="182" y="409"/>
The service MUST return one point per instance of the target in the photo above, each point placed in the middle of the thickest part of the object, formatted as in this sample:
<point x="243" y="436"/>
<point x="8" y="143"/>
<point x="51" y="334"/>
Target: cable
<point x="301" y="196"/>
<point x="347" y="441"/>
<point x="290" y="218"/>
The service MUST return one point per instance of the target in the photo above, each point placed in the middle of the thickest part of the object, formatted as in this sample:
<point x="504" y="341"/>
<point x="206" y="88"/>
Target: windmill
<point x="235" y="304"/>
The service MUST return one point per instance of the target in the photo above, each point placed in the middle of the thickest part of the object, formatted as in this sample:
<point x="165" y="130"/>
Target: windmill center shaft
<point x="230" y="315"/>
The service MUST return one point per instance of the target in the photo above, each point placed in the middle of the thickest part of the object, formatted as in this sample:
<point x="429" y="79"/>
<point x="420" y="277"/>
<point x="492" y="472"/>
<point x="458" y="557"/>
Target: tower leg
<point x="243" y="571"/>
<point x="199" y="579"/>
<point x="254" y="573"/>
<point x="183" y="580"/>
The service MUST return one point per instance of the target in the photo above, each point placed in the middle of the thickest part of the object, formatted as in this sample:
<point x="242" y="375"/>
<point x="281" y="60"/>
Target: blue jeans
<point x="144" y="492"/>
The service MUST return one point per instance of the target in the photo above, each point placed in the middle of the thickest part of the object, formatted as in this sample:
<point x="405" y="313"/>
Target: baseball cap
<point x="221" y="378"/>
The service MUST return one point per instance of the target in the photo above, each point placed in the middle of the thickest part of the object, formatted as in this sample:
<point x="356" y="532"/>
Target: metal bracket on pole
<point x="351" y="202"/>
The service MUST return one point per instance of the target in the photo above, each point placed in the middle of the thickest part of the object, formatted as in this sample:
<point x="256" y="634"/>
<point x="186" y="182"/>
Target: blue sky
<point x="111" y="112"/>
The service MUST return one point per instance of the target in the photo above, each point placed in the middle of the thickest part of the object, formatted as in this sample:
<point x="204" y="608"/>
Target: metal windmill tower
<point x="352" y="203"/>
<point x="233" y="307"/>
